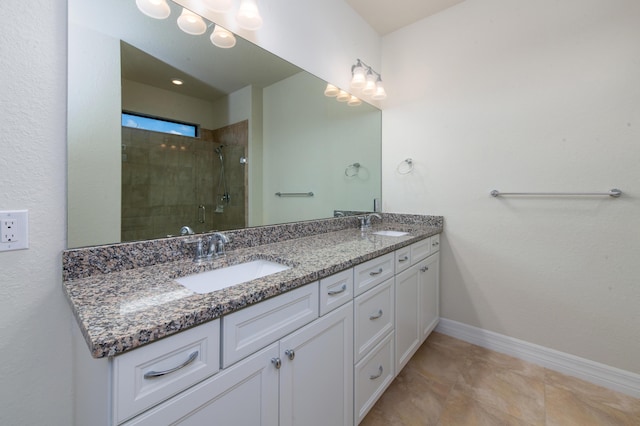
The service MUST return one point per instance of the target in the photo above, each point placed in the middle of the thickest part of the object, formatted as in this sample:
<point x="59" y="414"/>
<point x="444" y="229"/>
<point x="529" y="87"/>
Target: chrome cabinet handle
<point x="277" y="362"/>
<point x="290" y="353"/>
<point x="424" y="269"/>
<point x="404" y="259"/>
<point x="152" y="374"/>
<point x="375" y="376"/>
<point x="376" y="316"/>
<point x="334" y="292"/>
<point x="373" y="274"/>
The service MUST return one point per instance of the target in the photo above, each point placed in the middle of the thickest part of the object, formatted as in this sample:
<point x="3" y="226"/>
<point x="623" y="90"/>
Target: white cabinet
<point x="245" y="394"/>
<point x="373" y="312"/>
<point x="417" y="300"/>
<point x="316" y="377"/>
<point x="429" y="281"/>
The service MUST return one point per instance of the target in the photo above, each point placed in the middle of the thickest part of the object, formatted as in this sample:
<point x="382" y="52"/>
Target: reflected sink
<point x="391" y="233"/>
<point x="217" y="279"/>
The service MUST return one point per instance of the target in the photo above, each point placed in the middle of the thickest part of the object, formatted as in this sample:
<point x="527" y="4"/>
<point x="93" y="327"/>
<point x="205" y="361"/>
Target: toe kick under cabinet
<point x="317" y="355"/>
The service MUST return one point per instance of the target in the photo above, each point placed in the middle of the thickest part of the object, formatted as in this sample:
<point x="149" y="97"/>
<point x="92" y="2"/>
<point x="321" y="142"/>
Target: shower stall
<point x="170" y="181"/>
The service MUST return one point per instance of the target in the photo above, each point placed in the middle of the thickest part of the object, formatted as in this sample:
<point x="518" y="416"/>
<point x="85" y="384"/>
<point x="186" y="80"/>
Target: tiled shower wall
<point x="165" y="178"/>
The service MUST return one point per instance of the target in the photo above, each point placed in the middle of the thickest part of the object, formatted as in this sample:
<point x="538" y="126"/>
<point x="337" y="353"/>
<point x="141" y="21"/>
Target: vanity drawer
<point x="336" y="290"/>
<point x="435" y="243"/>
<point x="248" y="330"/>
<point x="403" y="259"/>
<point x="151" y="374"/>
<point x="420" y="250"/>
<point x="373" y="272"/>
<point x="372" y="376"/>
<point x="374" y="313"/>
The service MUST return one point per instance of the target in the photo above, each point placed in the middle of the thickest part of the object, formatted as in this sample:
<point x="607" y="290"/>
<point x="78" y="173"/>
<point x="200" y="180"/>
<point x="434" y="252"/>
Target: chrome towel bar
<point x="294" y="194"/>
<point x="612" y="193"/>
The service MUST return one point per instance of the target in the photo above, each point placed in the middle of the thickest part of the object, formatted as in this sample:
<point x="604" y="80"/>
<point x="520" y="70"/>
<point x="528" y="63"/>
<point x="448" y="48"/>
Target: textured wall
<point x="525" y="96"/>
<point x="35" y="319"/>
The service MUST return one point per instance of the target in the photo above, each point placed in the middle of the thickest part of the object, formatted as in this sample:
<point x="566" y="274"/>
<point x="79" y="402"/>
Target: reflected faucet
<point x="365" y="221"/>
<point x="216" y="245"/>
<point x="185" y="230"/>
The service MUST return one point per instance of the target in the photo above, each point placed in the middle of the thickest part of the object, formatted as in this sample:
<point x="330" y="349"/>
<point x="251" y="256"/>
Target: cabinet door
<point x="316" y="378"/>
<point x="243" y="395"/>
<point x="429" y="270"/>
<point x="407" y="315"/>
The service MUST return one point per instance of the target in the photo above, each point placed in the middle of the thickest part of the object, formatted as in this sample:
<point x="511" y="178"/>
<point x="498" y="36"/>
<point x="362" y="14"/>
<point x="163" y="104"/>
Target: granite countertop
<point x="120" y="311"/>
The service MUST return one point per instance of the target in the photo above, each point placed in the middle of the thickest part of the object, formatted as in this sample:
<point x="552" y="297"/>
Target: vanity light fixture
<point x="222" y="38"/>
<point x="191" y="23"/>
<point x="248" y="16"/>
<point x="157" y="9"/>
<point x="177" y="81"/>
<point x="366" y="79"/>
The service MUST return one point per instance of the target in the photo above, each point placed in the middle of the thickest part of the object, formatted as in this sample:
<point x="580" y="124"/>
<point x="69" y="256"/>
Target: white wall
<point x="525" y="96"/>
<point x="35" y="318"/>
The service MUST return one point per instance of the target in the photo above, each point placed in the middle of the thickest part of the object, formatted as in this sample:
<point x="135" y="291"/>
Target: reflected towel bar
<point x="612" y="193"/>
<point x="294" y="194"/>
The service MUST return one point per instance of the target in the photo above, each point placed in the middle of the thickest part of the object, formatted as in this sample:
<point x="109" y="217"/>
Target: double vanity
<point x="323" y="319"/>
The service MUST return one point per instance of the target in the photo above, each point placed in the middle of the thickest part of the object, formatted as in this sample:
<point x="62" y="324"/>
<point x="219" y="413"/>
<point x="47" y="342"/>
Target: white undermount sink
<point x="391" y="233"/>
<point x="217" y="279"/>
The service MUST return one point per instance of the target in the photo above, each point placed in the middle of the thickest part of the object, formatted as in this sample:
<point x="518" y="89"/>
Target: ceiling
<point x="386" y="16"/>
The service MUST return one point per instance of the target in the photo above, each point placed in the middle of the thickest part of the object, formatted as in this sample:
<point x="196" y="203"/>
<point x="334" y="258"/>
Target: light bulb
<point x="331" y="90"/>
<point x="353" y="101"/>
<point x="380" y="93"/>
<point x="219" y="6"/>
<point x="343" y="96"/>
<point x="157" y="9"/>
<point x="370" y="84"/>
<point x="358" y="80"/>
<point x="222" y="38"/>
<point x="191" y="23"/>
<point x="248" y="16"/>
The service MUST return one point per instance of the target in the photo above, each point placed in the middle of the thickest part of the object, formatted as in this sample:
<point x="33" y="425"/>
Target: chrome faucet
<point x="186" y="230"/>
<point x="216" y="245"/>
<point x="365" y="221"/>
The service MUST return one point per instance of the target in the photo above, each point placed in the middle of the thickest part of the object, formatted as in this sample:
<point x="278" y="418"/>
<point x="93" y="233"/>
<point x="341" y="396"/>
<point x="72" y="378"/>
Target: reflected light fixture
<point x="248" y="16"/>
<point x="331" y="90"/>
<point x="222" y="38"/>
<point x="343" y="96"/>
<point x="177" y="81"/>
<point x="367" y="80"/>
<point x="191" y="23"/>
<point x="219" y="6"/>
<point x="354" y="101"/>
<point x="157" y="9"/>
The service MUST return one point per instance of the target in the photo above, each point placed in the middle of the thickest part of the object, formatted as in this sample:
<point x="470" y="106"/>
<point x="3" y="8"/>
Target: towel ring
<point x="352" y="170"/>
<point x="405" y="167"/>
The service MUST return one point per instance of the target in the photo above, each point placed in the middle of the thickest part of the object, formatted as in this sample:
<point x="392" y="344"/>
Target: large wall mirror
<point x="264" y="128"/>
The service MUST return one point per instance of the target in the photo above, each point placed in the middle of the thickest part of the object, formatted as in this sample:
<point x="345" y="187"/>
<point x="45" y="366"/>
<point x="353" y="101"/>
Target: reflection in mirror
<point x="264" y="127"/>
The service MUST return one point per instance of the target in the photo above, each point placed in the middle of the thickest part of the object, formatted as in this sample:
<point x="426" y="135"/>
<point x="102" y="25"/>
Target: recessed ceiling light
<point x="177" y="82"/>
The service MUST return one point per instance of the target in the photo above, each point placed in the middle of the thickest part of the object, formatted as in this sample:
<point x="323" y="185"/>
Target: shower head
<point x="218" y="151"/>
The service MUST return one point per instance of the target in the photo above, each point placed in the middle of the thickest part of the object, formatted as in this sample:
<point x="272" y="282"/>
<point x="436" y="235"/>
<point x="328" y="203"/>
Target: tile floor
<point x="452" y="382"/>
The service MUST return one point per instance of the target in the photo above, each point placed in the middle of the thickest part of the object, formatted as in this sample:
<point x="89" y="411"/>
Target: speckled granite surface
<point x="132" y="305"/>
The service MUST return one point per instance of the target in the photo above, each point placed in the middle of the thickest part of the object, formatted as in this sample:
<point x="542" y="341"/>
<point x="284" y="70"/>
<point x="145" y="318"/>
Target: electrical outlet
<point x="14" y="230"/>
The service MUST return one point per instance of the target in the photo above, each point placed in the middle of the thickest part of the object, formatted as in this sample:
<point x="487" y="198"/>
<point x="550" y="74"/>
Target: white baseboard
<point x="600" y="374"/>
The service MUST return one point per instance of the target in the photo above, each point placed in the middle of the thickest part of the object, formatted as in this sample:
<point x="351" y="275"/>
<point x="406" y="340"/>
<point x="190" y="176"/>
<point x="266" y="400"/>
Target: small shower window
<point x="155" y="124"/>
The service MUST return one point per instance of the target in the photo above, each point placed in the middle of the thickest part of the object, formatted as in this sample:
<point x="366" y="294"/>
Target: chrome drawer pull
<point x="277" y="362"/>
<point x="375" y="376"/>
<point x="424" y="269"/>
<point x="152" y="374"/>
<point x="373" y="274"/>
<point x="435" y="243"/>
<point x="404" y="259"/>
<point x="376" y="316"/>
<point x="334" y="292"/>
<point x="290" y="353"/>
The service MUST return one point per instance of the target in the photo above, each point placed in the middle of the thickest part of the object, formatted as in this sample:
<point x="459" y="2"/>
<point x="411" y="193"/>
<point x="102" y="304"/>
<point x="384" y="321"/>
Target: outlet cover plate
<point x="17" y="237"/>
